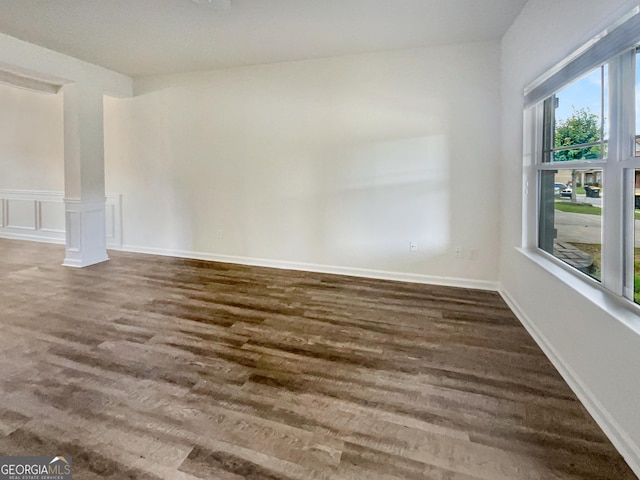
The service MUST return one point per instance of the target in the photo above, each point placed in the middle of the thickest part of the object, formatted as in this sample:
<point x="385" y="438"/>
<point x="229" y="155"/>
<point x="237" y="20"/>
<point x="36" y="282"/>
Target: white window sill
<point x="619" y="308"/>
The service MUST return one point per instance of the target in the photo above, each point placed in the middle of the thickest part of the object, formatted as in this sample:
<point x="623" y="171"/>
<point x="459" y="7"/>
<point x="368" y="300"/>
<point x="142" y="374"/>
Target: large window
<point x="582" y="152"/>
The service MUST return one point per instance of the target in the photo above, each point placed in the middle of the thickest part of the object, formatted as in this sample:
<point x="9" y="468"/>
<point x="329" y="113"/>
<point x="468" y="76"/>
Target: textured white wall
<point x="31" y="140"/>
<point x="335" y="162"/>
<point x="602" y="353"/>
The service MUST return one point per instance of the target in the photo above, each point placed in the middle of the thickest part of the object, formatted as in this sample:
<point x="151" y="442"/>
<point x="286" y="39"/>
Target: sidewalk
<point x="584" y="228"/>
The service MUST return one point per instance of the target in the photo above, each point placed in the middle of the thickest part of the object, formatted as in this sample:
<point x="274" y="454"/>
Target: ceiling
<point x="150" y="37"/>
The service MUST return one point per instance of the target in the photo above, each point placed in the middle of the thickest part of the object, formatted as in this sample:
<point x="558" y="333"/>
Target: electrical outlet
<point x="458" y="252"/>
<point x="413" y="246"/>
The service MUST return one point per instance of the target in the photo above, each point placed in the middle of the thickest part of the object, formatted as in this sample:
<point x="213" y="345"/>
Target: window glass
<point x="580" y="128"/>
<point x="637" y="105"/>
<point x="570" y="226"/>
<point x="636" y="239"/>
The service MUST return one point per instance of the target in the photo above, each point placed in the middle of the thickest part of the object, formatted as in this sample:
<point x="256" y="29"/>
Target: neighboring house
<point x="584" y="177"/>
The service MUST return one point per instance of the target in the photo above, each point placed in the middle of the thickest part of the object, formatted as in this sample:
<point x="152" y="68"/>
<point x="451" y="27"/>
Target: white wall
<point x="336" y="162"/>
<point x="598" y="352"/>
<point x="31" y="165"/>
<point x="31" y="140"/>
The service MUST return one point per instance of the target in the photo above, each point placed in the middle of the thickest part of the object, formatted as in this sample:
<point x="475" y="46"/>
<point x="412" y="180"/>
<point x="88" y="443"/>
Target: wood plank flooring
<point x="153" y="368"/>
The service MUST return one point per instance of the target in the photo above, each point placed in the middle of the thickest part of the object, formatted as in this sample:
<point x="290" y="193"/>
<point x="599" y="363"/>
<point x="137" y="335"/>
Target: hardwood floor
<point x="147" y="367"/>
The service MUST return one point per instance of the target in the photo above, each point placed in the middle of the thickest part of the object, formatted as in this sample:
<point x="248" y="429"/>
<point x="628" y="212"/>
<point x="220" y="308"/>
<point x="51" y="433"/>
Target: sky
<point x="586" y="93"/>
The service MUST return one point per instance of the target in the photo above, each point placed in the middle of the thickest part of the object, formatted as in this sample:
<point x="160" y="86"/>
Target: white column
<point x="84" y="176"/>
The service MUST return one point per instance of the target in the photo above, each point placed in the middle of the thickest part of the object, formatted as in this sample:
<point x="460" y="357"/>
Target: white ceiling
<point x="148" y="37"/>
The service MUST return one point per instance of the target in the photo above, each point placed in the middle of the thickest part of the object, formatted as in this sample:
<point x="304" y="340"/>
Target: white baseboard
<point x="312" y="267"/>
<point x="31" y="238"/>
<point x="629" y="450"/>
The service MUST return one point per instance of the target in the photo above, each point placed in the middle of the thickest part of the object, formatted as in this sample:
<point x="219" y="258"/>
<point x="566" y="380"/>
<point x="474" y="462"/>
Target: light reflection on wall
<point x="387" y="194"/>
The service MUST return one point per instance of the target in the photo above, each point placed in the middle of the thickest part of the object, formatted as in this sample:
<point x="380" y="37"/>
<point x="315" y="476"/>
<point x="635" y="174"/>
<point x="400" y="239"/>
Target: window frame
<point x="617" y="47"/>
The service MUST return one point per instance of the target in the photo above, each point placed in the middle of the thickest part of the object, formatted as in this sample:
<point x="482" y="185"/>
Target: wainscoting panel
<point x="51" y="217"/>
<point x="22" y="214"/>
<point x="38" y="215"/>
<point x="113" y="221"/>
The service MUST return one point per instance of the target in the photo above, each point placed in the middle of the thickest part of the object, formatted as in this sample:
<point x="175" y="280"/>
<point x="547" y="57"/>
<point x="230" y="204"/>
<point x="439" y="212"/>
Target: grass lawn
<point x="581" y="190"/>
<point x="583" y="208"/>
<point x="595" y="252"/>
<point x="578" y="208"/>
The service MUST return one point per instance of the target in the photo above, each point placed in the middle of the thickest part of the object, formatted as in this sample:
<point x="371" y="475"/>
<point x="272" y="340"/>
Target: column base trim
<point x="86" y="241"/>
<point x="84" y="262"/>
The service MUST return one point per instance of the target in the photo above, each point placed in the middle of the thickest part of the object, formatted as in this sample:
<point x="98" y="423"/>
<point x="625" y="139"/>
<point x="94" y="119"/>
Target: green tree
<point x="580" y="128"/>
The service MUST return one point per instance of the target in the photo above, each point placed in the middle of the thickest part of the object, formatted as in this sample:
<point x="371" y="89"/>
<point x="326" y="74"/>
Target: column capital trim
<point x="78" y="201"/>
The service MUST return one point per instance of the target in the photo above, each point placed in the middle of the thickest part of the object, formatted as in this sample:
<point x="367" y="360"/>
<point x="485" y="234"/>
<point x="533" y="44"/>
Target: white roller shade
<point x="623" y="36"/>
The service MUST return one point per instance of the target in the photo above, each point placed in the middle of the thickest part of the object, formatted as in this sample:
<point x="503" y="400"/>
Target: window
<point x="582" y="153"/>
